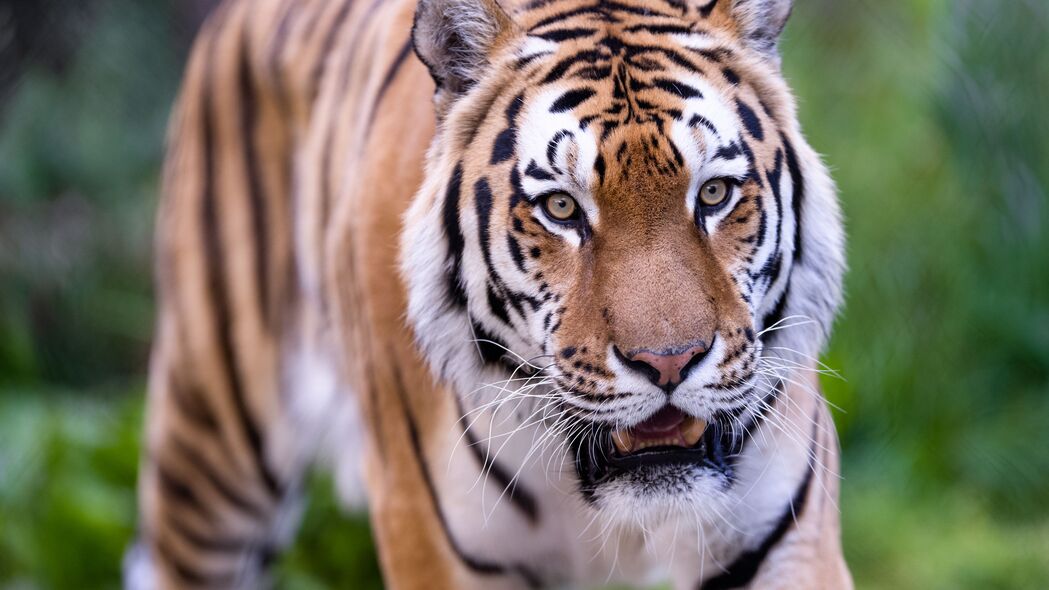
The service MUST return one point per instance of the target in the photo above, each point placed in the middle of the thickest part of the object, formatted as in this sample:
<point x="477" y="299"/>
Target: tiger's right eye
<point x="714" y="192"/>
<point x="561" y="208"/>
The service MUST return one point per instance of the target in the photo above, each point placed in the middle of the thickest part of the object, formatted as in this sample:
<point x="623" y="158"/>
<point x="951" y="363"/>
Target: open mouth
<point x="669" y="427"/>
<point x="668" y="437"/>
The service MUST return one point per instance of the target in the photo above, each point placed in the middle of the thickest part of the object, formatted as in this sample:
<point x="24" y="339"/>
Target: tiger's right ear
<point x="455" y="38"/>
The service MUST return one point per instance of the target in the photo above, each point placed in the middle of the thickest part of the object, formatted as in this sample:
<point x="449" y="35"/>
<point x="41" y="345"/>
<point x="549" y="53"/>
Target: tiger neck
<point x="509" y="496"/>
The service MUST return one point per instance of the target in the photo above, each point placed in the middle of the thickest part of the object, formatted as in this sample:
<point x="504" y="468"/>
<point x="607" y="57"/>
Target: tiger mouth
<point x="668" y="437"/>
<point x="669" y="428"/>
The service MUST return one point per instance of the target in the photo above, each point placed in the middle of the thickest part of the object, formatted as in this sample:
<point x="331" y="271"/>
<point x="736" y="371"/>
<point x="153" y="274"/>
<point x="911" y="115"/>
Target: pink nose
<point x="666" y="368"/>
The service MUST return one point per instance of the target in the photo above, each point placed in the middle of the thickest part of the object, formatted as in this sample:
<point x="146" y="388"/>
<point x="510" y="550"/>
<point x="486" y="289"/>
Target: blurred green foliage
<point x="930" y="113"/>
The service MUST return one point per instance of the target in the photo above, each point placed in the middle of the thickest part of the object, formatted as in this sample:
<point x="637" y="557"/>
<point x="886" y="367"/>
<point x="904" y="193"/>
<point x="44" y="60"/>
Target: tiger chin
<point x="545" y="281"/>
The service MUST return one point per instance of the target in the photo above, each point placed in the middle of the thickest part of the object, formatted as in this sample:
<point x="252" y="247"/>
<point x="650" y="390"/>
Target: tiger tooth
<point x="624" y="441"/>
<point x="692" y="430"/>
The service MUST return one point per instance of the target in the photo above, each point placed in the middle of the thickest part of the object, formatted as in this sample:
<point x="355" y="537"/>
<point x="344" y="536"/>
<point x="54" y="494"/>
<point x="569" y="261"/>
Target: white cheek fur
<point x="536" y="129"/>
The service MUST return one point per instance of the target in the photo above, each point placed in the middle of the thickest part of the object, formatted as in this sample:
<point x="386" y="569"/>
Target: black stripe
<point x="256" y="190"/>
<point x="329" y="192"/>
<point x="497" y="305"/>
<point x="559" y="35"/>
<point x="489" y="346"/>
<point x="571" y="99"/>
<point x="646" y="11"/>
<point x="776" y="315"/>
<point x="706" y="9"/>
<point x="177" y="490"/>
<point x="478" y="565"/>
<point x="677" y="88"/>
<point x="275" y="52"/>
<point x="521" y="498"/>
<point x="770" y="269"/>
<point x="231" y="494"/>
<point x="189" y="573"/>
<point x="453" y="232"/>
<point x="515" y="251"/>
<point x="191" y="405"/>
<point x="797" y="198"/>
<point x="741" y="572"/>
<point x="750" y="120"/>
<point x="698" y="120"/>
<point x="534" y="171"/>
<point x="329" y="43"/>
<point x="763" y="225"/>
<point x="562" y="16"/>
<point x="391" y="73"/>
<point x="678" y="4"/>
<point x="551" y="148"/>
<point x="729" y="152"/>
<point x="561" y="67"/>
<point x="750" y="429"/>
<point x="483" y="199"/>
<point x="716" y="55"/>
<point x="208" y="543"/>
<point x="660" y="29"/>
<point x="498" y="292"/>
<point x="636" y="50"/>
<point x="503" y="148"/>
<point x="216" y="262"/>
<point x="387" y="81"/>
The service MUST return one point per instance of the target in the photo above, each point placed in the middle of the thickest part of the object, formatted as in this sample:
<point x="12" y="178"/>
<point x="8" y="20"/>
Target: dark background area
<point x="931" y="113"/>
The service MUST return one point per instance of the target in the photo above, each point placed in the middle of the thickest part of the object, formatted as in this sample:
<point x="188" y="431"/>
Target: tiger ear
<point x="759" y="22"/>
<point x="454" y="38"/>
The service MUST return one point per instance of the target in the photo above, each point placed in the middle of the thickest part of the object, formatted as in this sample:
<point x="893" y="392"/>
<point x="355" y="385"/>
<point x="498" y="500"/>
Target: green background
<point x="932" y="115"/>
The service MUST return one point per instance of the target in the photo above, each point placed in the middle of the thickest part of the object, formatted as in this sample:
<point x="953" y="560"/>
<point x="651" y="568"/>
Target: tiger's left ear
<point x="758" y="22"/>
<point x="455" y="39"/>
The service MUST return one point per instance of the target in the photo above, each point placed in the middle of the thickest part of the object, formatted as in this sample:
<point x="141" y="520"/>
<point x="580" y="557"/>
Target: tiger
<point x="543" y="283"/>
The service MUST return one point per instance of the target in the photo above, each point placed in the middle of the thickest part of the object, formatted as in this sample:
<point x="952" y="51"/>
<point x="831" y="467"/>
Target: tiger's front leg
<point x="216" y="474"/>
<point x="410" y="502"/>
<point x="211" y="502"/>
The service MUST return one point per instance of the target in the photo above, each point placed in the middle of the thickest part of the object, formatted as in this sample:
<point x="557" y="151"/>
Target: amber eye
<point x="714" y="192"/>
<point x="561" y="207"/>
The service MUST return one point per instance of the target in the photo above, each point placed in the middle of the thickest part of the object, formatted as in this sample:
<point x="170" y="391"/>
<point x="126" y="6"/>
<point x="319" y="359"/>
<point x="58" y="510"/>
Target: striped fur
<point x="354" y="268"/>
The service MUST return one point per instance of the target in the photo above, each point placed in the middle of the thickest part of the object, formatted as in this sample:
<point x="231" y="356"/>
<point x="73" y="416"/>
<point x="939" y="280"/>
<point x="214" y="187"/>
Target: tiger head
<point x="620" y="212"/>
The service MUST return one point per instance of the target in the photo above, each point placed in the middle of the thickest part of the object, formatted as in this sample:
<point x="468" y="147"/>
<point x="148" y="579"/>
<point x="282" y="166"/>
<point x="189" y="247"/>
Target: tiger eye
<point x="560" y="207"/>
<point x="714" y="192"/>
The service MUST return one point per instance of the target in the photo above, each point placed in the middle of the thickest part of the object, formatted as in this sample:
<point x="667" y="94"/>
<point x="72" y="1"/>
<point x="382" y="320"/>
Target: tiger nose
<point x="665" y="368"/>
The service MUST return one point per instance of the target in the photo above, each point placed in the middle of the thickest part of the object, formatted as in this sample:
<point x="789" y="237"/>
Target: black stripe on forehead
<point x="503" y="148"/>
<point x="561" y="68"/>
<point x="569" y="34"/>
<point x="571" y="99"/>
<point x="750" y="120"/>
<point x="593" y="9"/>
<point x="534" y="171"/>
<point x="677" y="88"/>
<point x="552" y="147"/>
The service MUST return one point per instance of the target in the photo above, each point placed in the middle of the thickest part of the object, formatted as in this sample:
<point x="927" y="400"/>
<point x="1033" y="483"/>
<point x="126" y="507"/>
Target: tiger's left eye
<point x="714" y="192"/>
<point x="561" y="207"/>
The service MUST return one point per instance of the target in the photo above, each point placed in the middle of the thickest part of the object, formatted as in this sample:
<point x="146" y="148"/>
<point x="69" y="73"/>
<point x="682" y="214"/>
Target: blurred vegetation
<point x="930" y="113"/>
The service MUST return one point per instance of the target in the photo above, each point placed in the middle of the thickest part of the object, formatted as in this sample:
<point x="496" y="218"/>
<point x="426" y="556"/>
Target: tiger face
<point x="619" y="213"/>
